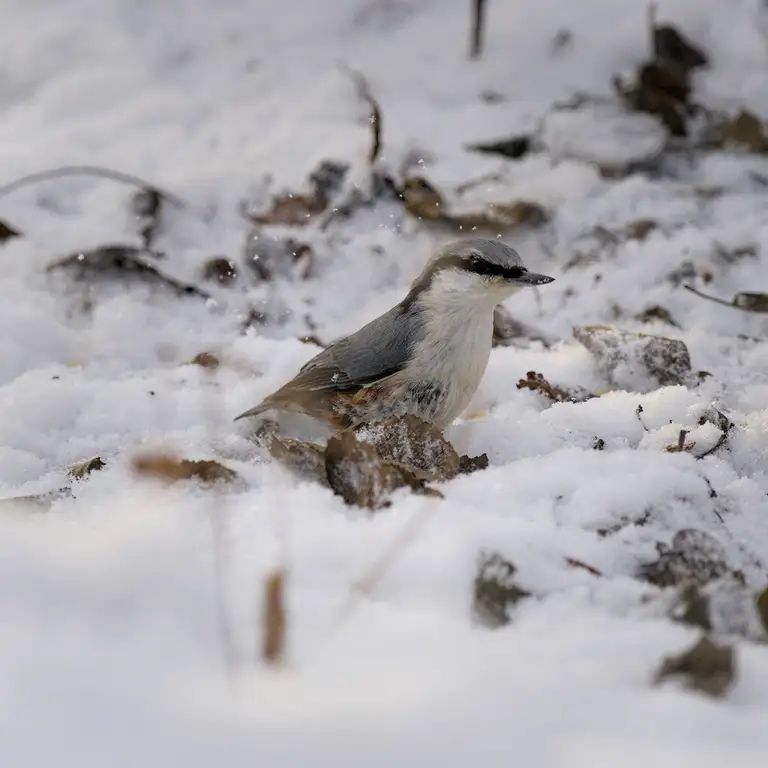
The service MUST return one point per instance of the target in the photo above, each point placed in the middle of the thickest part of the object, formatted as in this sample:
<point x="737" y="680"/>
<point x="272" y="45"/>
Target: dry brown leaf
<point x="537" y="383"/>
<point x="147" y="206"/>
<point x="660" y="90"/>
<point x="170" y="469"/>
<point x="694" y="557"/>
<point x="274" y="619"/>
<point x="270" y="256"/>
<point x="673" y="49"/>
<point x="422" y="200"/>
<point x="357" y="473"/>
<point x="305" y="458"/>
<point x="120" y="263"/>
<point x="495" y="591"/>
<point x="298" y="209"/>
<point x="206" y="360"/>
<point x="704" y="667"/>
<point x="418" y="446"/>
<point x="513" y="147"/>
<point x="745" y="130"/>
<point x="84" y="468"/>
<point x="659" y="313"/>
<point x="220" y="270"/>
<point x="7" y="232"/>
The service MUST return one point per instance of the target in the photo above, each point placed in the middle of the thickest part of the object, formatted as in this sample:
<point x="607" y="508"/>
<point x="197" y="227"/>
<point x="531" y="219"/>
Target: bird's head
<point x="475" y="271"/>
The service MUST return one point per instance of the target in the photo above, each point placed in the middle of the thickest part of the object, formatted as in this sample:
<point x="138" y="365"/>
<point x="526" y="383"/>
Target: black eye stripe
<point x="483" y="267"/>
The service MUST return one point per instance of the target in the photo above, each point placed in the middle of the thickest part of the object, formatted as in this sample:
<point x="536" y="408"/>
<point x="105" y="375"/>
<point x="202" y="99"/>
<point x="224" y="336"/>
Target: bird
<point x="424" y="357"/>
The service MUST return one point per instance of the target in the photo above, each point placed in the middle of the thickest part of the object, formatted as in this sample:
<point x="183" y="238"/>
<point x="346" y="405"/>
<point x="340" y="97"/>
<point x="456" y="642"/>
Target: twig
<point x="364" y="91"/>
<point x="746" y="302"/>
<point x="574" y="563"/>
<point x="651" y="17"/>
<point x="709" y="298"/>
<point x="90" y="170"/>
<point x="478" y="25"/>
<point x="472" y="183"/>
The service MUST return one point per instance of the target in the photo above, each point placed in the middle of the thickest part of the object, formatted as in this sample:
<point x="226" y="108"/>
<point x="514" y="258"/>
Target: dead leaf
<point x="170" y="469"/>
<point x="704" y="667"/>
<point x="734" y="255"/>
<point x="274" y="621"/>
<point x="537" y="383"/>
<point x="422" y="200"/>
<point x="694" y="556"/>
<point x="298" y="209"/>
<point x="7" y="232"/>
<point x="634" y="230"/>
<point x="291" y="210"/>
<point x="418" y="446"/>
<point x="304" y="458"/>
<point x="671" y="48"/>
<point x="270" y="256"/>
<point x="657" y="313"/>
<point x="513" y="147"/>
<point x="660" y="90"/>
<point x="562" y="40"/>
<point x="84" y="468"/>
<point x="357" y="473"/>
<point x="470" y="464"/>
<point x="120" y="263"/>
<point x="693" y="607"/>
<point x="635" y="360"/>
<point x="745" y="131"/>
<point x="426" y="203"/>
<point x="206" y="360"/>
<point x="220" y="270"/>
<point x="518" y="214"/>
<point x="495" y="591"/>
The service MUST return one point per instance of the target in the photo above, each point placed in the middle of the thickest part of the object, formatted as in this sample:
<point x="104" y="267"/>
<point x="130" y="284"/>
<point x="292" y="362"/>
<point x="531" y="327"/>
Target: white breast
<point x="458" y="330"/>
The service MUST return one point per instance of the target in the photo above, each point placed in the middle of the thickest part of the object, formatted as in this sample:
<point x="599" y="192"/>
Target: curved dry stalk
<point x="90" y="170"/>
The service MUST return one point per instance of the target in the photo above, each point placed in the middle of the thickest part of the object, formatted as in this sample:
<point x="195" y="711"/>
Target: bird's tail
<point x="256" y="410"/>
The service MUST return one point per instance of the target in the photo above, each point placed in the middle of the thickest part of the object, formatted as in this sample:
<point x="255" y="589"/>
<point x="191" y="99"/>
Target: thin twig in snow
<point x="90" y="170"/>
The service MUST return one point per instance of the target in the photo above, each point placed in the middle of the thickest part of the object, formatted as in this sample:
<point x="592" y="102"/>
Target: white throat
<point x="456" y="292"/>
<point x="457" y="312"/>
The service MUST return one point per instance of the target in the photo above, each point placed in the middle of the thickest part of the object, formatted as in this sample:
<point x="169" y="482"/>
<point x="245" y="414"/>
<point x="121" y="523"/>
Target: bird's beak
<point x="531" y="278"/>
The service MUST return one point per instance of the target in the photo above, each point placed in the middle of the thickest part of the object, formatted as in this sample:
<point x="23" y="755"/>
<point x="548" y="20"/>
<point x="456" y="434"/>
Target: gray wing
<point x="376" y="351"/>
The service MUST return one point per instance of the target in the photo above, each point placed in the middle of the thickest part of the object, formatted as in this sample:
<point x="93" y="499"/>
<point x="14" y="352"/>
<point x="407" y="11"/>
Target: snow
<point x="131" y="612"/>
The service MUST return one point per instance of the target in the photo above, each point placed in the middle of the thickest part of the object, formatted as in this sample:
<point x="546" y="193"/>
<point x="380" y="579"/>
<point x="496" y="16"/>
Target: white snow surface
<point x="131" y="613"/>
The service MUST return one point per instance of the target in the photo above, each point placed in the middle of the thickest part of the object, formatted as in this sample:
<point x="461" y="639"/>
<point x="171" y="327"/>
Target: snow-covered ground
<point x="131" y="614"/>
